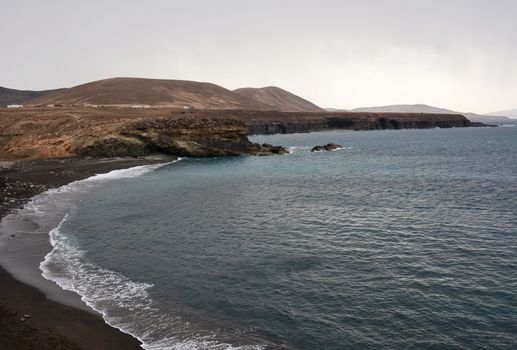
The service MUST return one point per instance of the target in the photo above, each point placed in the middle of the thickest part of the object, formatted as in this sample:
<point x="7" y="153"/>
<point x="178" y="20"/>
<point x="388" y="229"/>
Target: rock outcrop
<point x="32" y="133"/>
<point x="119" y="132"/>
<point x="327" y="147"/>
<point x="184" y="137"/>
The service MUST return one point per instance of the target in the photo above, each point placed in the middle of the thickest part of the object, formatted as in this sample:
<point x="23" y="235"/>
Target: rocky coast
<point x="42" y="148"/>
<point x="37" y="133"/>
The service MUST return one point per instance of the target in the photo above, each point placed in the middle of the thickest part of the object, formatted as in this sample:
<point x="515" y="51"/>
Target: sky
<point x="456" y="54"/>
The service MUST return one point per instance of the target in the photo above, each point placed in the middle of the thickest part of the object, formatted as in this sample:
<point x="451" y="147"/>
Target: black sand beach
<point x="28" y="319"/>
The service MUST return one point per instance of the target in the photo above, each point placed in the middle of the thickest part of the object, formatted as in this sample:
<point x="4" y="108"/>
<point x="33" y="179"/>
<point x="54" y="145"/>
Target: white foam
<point x="292" y="149"/>
<point x="332" y="150"/>
<point x="54" y="198"/>
<point x="123" y="303"/>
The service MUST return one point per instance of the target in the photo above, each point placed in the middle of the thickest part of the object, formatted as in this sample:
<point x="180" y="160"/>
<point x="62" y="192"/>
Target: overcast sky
<point x="457" y="54"/>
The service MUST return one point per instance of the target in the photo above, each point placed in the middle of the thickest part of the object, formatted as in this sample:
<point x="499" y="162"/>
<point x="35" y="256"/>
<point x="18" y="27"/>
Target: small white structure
<point x="140" y="106"/>
<point x="14" y="106"/>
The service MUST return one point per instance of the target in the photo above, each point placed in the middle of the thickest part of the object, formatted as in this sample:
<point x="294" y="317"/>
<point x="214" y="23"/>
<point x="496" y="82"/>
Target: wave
<point x="295" y="148"/>
<point x="40" y="204"/>
<point x="123" y="303"/>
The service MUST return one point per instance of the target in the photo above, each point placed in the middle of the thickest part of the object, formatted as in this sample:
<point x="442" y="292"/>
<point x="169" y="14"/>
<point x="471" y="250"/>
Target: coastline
<point x="61" y="321"/>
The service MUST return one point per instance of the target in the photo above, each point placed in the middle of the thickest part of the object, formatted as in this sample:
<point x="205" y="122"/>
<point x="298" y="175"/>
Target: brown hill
<point x="152" y="92"/>
<point x="279" y="99"/>
<point x="14" y="97"/>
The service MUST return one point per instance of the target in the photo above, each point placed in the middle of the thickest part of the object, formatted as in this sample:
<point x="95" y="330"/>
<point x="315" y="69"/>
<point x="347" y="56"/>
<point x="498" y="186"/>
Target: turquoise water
<point x="403" y="239"/>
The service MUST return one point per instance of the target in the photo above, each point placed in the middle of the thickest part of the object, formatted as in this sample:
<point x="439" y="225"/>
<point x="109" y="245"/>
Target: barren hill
<point x="153" y="92"/>
<point x="279" y="99"/>
<point x="511" y="113"/>
<point x="418" y="108"/>
<point x="13" y="96"/>
<point x="421" y="108"/>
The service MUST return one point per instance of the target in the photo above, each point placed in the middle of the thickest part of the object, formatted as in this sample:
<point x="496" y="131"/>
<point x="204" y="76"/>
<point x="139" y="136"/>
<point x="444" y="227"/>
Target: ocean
<point x="401" y="239"/>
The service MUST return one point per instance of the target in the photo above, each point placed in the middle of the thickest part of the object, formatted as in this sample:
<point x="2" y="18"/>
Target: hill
<point x="279" y="99"/>
<point x="152" y="92"/>
<point x="422" y="108"/>
<point x="14" y="97"/>
<point x="418" y="108"/>
<point x="511" y="113"/>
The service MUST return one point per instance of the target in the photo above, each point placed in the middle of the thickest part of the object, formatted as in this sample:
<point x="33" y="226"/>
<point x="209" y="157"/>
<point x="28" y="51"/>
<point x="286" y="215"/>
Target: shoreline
<point x="59" y="320"/>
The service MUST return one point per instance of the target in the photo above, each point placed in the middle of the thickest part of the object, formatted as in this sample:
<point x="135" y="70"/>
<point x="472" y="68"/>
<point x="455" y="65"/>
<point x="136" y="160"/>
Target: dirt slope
<point x="279" y="99"/>
<point x="153" y="92"/>
<point x="15" y="97"/>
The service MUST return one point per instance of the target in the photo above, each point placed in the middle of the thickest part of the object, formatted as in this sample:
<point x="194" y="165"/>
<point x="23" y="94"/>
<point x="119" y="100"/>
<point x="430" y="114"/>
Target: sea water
<point x="402" y="239"/>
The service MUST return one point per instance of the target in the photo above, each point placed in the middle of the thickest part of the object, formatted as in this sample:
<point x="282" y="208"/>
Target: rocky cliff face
<point x="65" y="132"/>
<point x="184" y="137"/>
<point x="111" y="132"/>
<point x="303" y="122"/>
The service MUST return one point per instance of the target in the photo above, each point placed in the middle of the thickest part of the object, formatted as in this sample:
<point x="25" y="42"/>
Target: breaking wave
<point x="123" y="303"/>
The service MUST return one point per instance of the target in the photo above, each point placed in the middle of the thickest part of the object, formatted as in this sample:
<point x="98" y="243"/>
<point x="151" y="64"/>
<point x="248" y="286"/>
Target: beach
<point x="28" y="317"/>
<point x="404" y="239"/>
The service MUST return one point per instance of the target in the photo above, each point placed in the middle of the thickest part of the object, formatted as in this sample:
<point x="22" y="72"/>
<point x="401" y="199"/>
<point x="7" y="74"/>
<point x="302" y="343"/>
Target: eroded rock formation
<point x="327" y="147"/>
<point x="184" y="137"/>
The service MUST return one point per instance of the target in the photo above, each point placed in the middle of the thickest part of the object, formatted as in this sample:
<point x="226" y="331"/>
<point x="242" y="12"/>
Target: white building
<point x="14" y="106"/>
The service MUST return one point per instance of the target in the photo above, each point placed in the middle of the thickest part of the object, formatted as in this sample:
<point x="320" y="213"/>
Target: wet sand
<point x="57" y="319"/>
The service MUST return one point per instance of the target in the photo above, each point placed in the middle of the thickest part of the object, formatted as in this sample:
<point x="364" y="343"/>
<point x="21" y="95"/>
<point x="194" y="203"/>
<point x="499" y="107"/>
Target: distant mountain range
<point x="422" y="108"/>
<point x="512" y="113"/>
<point x="162" y="93"/>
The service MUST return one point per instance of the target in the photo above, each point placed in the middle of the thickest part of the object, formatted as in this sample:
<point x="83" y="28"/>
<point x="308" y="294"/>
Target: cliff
<point x="112" y="132"/>
<point x="286" y="123"/>
<point x="184" y="137"/>
<point x="97" y="132"/>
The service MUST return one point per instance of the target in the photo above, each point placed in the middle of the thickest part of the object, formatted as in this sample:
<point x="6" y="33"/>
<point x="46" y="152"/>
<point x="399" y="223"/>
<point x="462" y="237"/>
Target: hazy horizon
<point x="459" y="54"/>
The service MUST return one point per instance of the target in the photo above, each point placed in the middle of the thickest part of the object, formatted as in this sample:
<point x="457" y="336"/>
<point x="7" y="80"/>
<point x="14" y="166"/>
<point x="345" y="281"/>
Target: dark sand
<point x="52" y="325"/>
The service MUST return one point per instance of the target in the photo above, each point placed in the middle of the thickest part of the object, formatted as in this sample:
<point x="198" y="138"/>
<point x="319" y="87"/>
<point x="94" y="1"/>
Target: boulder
<point x="327" y="147"/>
